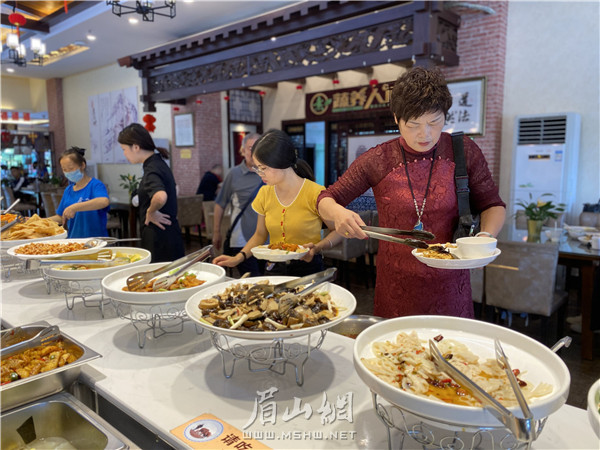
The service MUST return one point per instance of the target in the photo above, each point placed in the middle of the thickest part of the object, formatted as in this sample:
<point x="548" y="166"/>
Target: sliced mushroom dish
<point x="237" y="308"/>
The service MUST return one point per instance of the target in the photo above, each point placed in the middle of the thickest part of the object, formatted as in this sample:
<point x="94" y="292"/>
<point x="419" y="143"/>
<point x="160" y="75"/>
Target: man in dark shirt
<point x="210" y="183"/>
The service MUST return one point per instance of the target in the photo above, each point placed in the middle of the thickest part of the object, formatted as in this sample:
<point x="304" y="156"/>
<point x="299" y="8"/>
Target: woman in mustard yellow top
<point x="286" y="207"/>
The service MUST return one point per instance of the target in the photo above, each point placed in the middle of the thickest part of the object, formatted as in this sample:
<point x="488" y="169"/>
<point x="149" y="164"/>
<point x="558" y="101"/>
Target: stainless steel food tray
<point x="41" y="385"/>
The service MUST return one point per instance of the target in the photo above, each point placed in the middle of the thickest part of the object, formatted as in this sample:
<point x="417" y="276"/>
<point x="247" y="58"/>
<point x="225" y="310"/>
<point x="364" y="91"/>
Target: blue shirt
<point x="85" y="223"/>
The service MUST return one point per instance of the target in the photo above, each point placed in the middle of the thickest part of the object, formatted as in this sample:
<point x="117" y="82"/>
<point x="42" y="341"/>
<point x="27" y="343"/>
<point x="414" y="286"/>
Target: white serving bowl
<point x="594" y="406"/>
<point x="475" y="247"/>
<point x="112" y="285"/>
<point x="99" y="273"/>
<point x="536" y="361"/>
<point x="344" y="300"/>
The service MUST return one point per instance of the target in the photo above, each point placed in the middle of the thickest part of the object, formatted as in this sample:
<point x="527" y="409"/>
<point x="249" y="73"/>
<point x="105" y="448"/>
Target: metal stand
<point x="432" y="434"/>
<point x="78" y="290"/>
<point x="274" y="355"/>
<point x="15" y="268"/>
<point x="158" y="319"/>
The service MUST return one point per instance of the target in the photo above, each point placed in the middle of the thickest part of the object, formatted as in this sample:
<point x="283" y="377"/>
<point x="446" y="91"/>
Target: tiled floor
<point x="583" y="372"/>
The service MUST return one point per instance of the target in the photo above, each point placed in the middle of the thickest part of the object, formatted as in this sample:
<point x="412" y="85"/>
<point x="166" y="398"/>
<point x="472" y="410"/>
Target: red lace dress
<point x="404" y="285"/>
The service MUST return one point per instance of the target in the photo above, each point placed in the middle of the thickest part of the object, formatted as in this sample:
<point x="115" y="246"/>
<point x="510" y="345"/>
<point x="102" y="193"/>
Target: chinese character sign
<point x="468" y="107"/>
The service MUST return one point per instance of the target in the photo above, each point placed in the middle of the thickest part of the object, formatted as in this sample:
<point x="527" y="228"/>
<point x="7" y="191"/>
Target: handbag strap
<point x="461" y="177"/>
<point x="239" y="216"/>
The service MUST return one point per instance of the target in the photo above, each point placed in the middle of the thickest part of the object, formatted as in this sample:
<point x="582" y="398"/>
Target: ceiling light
<point x="273" y="38"/>
<point x="90" y="36"/>
<point x="145" y="8"/>
<point x="133" y="20"/>
<point x="10" y="69"/>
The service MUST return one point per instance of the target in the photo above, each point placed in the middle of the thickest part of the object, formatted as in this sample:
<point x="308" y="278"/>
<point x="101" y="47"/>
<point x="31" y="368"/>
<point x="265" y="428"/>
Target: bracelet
<point x="484" y="233"/>
<point x="244" y="255"/>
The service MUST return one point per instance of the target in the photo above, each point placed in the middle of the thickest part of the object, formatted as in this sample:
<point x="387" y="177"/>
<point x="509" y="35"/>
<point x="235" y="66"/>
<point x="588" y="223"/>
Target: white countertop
<point x="177" y="377"/>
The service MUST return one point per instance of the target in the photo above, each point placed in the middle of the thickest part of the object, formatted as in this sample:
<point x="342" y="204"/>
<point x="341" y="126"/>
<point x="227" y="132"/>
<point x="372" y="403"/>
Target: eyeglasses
<point x="260" y="170"/>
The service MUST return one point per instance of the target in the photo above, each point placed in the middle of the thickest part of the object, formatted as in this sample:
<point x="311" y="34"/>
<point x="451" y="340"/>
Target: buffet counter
<point x="176" y="378"/>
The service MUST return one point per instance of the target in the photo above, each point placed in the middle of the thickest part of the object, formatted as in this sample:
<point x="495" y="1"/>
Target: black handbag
<point x="227" y="241"/>
<point x="468" y="224"/>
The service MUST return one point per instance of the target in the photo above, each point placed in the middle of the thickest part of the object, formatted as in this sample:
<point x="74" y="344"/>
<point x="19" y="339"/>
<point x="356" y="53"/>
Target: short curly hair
<point x="420" y="91"/>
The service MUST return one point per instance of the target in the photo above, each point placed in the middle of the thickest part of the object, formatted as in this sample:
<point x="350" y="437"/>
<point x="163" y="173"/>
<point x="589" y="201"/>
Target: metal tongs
<point x="523" y="429"/>
<point x="391" y="235"/>
<point x="313" y="281"/>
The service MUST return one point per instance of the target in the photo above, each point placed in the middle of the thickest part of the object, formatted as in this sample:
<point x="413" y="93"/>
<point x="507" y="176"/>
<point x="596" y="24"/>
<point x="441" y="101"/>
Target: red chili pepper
<point x="516" y="372"/>
<point x="446" y="380"/>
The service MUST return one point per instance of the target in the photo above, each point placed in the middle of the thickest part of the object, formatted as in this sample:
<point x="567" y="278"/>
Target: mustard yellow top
<point x="296" y="223"/>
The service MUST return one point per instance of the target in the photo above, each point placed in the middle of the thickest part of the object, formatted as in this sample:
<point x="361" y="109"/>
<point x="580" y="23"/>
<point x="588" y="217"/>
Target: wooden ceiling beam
<point x="34" y="25"/>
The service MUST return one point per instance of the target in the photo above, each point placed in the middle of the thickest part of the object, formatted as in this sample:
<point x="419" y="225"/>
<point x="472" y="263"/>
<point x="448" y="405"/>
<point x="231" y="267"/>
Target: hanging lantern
<point x="149" y="120"/>
<point x="176" y="108"/>
<point x="226" y="98"/>
<point x="299" y="87"/>
<point x="18" y="20"/>
<point x="4" y="115"/>
<point x="26" y="116"/>
<point x="262" y="93"/>
<point x="15" y="115"/>
<point x="198" y="102"/>
<point x="374" y="82"/>
<point x="335" y="81"/>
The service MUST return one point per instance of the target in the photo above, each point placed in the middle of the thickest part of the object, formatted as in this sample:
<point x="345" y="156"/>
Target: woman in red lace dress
<point x="412" y="177"/>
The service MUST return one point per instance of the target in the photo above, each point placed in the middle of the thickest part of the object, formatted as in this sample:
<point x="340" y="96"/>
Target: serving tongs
<point x="103" y="256"/>
<point x="310" y="283"/>
<point x="94" y="242"/>
<point x="48" y="334"/>
<point x="523" y="429"/>
<point x="391" y="235"/>
<point x="138" y="280"/>
<point x="18" y="219"/>
<point x="163" y="283"/>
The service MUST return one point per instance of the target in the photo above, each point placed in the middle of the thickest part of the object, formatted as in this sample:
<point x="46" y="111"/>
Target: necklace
<point x="419" y="224"/>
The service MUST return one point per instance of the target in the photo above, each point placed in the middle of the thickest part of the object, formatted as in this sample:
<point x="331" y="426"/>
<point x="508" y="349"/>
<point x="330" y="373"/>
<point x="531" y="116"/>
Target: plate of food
<point x="449" y="259"/>
<point x="34" y="229"/>
<point x="198" y="276"/>
<point x="222" y="305"/>
<point x="121" y="257"/>
<point x="393" y="359"/>
<point x="280" y="251"/>
<point x="45" y="249"/>
<point x="578" y="231"/>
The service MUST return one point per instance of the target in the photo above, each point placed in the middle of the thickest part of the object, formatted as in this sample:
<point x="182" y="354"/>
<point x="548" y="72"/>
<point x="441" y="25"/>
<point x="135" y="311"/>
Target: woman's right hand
<point x="227" y="261"/>
<point x="348" y="223"/>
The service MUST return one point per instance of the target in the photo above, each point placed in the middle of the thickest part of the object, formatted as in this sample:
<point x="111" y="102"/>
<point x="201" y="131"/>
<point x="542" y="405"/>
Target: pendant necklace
<point x="419" y="224"/>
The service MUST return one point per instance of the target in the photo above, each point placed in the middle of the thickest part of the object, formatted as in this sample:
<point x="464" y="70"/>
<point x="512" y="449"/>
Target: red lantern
<point x="15" y="115"/>
<point x="18" y="20"/>
<point x="149" y="120"/>
<point x="26" y="116"/>
<point x="336" y="81"/>
<point x="299" y="87"/>
<point x="4" y="115"/>
<point x="199" y="102"/>
<point x="176" y="108"/>
<point x="262" y="93"/>
<point x="373" y="82"/>
<point x="226" y="98"/>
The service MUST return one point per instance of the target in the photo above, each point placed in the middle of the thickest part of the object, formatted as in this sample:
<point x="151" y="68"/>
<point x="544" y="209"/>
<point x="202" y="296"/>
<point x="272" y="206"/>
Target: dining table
<point x="572" y="253"/>
<point x="177" y="379"/>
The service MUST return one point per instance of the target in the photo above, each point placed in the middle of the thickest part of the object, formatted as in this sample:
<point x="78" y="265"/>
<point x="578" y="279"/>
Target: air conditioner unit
<point x="545" y="158"/>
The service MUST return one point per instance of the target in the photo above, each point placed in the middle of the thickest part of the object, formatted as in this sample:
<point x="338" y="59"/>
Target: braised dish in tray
<point x="33" y="361"/>
<point x="234" y="309"/>
<point x="406" y="364"/>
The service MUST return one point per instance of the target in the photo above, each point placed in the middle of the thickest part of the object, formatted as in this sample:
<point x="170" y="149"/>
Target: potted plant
<point x="537" y="212"/>
<point x="129" y="182"/>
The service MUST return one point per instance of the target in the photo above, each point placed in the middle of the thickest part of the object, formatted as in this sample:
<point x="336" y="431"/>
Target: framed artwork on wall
<point x="467" y="113"/>
<point x="184" y="130"/>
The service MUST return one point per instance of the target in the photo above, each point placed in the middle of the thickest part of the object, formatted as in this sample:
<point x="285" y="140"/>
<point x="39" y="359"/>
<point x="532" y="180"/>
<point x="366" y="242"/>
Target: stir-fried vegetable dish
<point x="187" y="280"/>
<point x="36" y="360"/>
<point x="237" y="308"/>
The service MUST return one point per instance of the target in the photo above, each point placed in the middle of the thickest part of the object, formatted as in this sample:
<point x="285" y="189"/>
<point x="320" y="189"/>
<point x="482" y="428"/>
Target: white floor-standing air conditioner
<point x="545" y="158"/>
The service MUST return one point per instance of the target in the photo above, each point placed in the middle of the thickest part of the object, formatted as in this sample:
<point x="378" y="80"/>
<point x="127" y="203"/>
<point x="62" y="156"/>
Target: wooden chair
<point x="522" y="280"/>
<point x="48" y="203"/>
<point x="22" y="207"/>
<point x="190" y="214"/>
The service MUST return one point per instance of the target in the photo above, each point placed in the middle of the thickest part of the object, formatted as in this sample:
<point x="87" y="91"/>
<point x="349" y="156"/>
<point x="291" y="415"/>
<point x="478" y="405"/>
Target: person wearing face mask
<point x="412" y="177"/>
<point x="85" y="204"/>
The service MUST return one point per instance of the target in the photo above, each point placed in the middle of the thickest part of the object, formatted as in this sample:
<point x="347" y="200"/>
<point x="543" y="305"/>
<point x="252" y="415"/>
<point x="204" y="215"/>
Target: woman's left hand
<point x="308" y="257"/>
<point x="157" y="218"/>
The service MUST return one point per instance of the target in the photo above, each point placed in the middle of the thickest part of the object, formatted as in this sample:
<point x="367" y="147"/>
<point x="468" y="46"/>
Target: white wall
<point x="23" y="94"/>
<point x="552" y="66"/>
<point x="78" y="88"/>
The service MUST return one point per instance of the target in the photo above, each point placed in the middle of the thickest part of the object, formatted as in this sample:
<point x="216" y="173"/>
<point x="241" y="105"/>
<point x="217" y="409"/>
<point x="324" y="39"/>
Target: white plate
<point x="344" y="300"/>
<point x="264" y="252"/>
<point x="99" y="273"/>
<point x="577" y="231"/>
<point x="113" y="284"/>
<point x="11" y="251"/>
<point x="593" y="405"/>
<point x="9" y="244"/>
<point x="472" y="263"/>
<point x="536" y="362"/>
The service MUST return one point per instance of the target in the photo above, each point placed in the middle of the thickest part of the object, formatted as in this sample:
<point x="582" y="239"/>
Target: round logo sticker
<point x="203" y="430"/>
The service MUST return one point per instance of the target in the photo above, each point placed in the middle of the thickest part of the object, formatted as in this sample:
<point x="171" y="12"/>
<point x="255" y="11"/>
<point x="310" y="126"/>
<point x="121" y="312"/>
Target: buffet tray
<point x="43" y="384"/>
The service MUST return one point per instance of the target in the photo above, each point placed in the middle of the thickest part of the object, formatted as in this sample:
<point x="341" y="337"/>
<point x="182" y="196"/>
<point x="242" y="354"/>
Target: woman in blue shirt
<point x="85" y="204"/>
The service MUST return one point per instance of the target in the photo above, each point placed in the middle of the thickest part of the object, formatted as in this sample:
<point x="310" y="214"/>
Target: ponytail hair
<point x="136" y="134"/>
<point x="275" y="149"/>
<point x="75" y="154"/>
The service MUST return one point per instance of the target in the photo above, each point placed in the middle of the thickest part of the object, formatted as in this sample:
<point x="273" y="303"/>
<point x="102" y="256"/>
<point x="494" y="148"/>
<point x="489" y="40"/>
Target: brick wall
<point x="482" y="52"/>
<point x="207" y="148"/>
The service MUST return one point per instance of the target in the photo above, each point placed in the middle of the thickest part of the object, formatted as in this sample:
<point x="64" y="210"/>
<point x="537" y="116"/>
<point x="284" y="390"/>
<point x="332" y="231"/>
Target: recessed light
<point x="10" y="69"/>
<point x="273" y="39"/>
<point x="90" y="37"/>
<point x="133" y="20"/>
